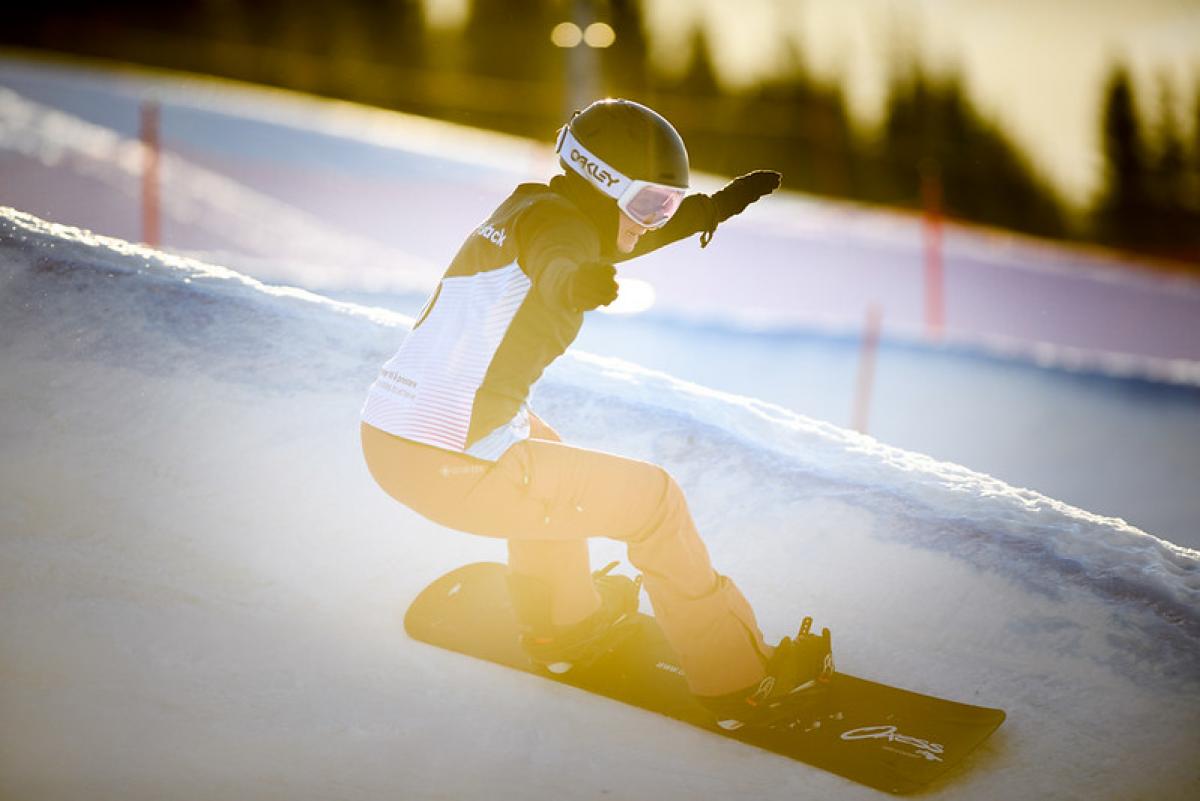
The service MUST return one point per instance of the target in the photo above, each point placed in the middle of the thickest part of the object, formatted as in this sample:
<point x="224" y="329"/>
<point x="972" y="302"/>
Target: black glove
<point x="592" y="284"/>
<point x="735" y="196"/>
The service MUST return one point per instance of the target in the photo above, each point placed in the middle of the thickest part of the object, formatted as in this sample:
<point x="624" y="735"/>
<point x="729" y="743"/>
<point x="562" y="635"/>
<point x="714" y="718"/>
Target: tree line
<point x="501" y="71"/>
<point x="1151" y="191"/>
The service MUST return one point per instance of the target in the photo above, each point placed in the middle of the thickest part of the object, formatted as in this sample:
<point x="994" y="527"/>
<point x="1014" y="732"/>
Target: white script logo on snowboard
<point x="921" y="748"/>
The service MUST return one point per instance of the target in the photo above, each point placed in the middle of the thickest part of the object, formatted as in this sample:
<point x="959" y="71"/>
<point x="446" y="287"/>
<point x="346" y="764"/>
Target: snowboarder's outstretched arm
<point x="701" y="214"/>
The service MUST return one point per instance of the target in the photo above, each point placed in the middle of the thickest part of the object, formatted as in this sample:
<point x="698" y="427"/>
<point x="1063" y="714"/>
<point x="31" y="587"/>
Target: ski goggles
<point x="648" y="204"/>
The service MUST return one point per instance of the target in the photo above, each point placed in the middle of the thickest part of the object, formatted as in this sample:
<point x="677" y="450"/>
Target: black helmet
<point x="636" y="142"/>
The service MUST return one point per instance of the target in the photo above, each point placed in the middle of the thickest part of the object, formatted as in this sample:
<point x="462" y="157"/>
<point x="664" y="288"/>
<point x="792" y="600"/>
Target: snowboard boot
<point x="560" y="649"/>
<point x="798" y="677"/>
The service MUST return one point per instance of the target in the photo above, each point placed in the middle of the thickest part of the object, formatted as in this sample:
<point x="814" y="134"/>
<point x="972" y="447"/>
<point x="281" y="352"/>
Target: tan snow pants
<point x="546" y="498"/>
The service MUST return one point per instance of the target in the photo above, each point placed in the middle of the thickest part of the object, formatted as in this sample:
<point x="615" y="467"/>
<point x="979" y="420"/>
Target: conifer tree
<point x="1122" y="212"/>
<point x="626" y="63"/>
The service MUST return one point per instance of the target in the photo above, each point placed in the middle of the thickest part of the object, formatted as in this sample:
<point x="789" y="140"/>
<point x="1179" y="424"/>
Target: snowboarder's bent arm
<point x="555" y="247"/>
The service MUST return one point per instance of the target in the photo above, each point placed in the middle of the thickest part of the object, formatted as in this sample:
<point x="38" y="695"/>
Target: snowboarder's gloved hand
<point x="592" y="284"/>
<point x="739" y="193"/>
<point x="735" y="196"/>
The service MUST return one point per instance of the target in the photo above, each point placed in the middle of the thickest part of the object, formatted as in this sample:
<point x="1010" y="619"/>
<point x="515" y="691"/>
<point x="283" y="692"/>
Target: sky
<point x="1037" y="67"/>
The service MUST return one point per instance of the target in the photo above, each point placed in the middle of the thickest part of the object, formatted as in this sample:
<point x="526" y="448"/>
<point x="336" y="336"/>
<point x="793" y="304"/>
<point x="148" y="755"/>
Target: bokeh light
<point x="599" y="34"/>
<point x="566" y="34"/>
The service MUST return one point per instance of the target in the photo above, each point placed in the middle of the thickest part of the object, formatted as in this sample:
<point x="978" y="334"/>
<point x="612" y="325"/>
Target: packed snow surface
<point x="201" y="588"/>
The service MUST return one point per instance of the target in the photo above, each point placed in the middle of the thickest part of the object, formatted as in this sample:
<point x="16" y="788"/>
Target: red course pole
<point x="931" y="194"/>
<point x="150" y="159"/>
<point x="866" y="367"/>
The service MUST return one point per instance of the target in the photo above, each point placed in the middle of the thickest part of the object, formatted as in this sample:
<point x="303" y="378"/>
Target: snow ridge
<point x="1108" y="554"/>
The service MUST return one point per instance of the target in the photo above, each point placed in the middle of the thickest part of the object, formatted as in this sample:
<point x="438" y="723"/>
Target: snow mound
<point x="206" y="588"/>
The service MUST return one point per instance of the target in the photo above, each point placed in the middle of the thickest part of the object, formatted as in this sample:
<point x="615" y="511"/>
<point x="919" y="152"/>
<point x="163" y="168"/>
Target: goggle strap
<point x="599" y="173"/>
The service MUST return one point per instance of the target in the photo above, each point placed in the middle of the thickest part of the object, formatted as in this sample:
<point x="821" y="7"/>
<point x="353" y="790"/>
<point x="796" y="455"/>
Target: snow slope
<point x="201" y="589"/>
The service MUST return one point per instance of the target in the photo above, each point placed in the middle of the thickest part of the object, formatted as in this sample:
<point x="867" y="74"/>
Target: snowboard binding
<point x="797" y="679"/>
<point x="560" y="649"/>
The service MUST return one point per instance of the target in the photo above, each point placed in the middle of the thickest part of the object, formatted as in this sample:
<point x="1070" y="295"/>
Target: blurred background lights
<point x="599" y="34"/>
<point x="568" y="34"/>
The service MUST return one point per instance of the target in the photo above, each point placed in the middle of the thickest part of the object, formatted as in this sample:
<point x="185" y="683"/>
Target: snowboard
<point x="880" y="736"/>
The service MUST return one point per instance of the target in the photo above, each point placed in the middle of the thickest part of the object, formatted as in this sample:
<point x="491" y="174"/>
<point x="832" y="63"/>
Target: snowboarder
<point x="447" y="429"/>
